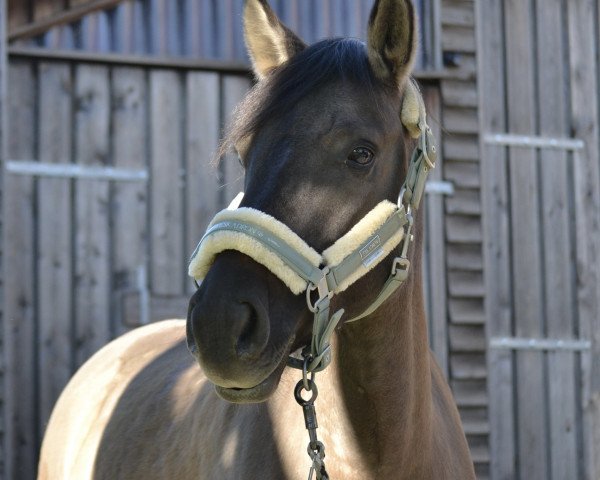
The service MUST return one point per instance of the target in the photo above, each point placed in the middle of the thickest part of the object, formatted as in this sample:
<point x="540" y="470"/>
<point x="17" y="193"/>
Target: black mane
<point x="311" y="69"/>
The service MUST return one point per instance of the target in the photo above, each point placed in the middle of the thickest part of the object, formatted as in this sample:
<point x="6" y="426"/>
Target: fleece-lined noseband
<point x="274" y="245"/>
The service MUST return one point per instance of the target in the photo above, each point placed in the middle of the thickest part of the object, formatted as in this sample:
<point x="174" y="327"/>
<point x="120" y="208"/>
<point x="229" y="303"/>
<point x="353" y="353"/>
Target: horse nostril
<point x="254" y="330"/>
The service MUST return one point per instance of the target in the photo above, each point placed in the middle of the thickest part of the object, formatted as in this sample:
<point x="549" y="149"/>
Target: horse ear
<point x="392" y="39"/>
<point x="270" y="43"/>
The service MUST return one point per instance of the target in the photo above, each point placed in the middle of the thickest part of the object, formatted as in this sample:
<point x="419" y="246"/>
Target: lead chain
<point x="316" y="449"/>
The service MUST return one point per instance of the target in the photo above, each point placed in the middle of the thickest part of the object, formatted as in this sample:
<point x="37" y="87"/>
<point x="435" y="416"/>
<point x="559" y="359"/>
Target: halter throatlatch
<point x="302" y="269"/>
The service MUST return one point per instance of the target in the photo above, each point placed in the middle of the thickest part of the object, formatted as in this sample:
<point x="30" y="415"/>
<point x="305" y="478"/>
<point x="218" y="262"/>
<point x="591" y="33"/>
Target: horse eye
<point x="360" y="156"/>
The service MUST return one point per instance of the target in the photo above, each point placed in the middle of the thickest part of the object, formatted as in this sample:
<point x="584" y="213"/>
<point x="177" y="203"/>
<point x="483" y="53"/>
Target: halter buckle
<point x="400" y="268"/>
<point x="323" y="290"/>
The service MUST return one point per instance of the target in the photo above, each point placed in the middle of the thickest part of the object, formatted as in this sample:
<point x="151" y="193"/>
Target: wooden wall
<point x="208" y="29"/>
<point x="539" y="80"/>
<point x="463" y="232"/>
<point x="90" y="258"/>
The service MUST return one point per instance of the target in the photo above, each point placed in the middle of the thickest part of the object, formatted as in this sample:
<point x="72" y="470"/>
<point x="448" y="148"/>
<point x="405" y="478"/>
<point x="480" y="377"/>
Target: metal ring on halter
<point x="305" y="379"/>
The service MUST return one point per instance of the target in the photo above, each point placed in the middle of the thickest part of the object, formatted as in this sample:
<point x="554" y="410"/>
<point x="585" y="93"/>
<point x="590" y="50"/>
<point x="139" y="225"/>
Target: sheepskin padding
<point x="359" y="235"/>
<point x="413" y="109"/>
<point x="219" y="241"/>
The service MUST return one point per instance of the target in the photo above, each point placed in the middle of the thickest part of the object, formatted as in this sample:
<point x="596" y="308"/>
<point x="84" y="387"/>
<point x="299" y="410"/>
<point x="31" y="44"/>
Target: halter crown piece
<point x="274" y="245"/>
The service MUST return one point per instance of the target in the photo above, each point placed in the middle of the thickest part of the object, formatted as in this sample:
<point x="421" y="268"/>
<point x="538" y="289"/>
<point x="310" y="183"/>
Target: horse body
<point x="323" y="143"/>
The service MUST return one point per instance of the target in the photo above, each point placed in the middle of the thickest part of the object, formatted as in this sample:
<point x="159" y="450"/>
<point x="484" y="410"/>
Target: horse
<point x="324" y="137"/>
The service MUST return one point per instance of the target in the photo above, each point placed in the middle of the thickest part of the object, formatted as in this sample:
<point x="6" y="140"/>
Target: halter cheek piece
<point x="274" y="245"/>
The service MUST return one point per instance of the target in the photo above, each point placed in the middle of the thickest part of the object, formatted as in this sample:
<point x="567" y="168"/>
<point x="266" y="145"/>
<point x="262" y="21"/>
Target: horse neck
<point x="384" y="380"/>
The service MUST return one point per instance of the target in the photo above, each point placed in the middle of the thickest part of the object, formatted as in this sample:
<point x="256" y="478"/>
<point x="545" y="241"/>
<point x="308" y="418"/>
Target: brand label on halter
<point x="371" y="251"/>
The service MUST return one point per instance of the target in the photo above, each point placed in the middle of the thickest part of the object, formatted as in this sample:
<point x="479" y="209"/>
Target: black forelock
<point x="315" y="67"/>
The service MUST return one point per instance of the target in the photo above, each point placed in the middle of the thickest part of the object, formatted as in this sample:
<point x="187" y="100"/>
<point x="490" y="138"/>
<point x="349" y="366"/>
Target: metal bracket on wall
<point x="439" y="187"/>
<point x="74" y="170"/>
<point x="540" y="344"/>
<point x="527" y="141"/>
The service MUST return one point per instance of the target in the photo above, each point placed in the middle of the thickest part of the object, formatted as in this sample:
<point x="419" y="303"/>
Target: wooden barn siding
<point x="210" y="29"/>
<point x="3" y="150"/>
<point x="77" y="245"/>
<point x="463" y="228"/>
<point x="539" y="76"/>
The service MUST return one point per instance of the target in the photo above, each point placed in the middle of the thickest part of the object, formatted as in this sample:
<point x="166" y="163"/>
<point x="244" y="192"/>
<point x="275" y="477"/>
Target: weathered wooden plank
<point x="160" y="307"/>
<point x="167" y="269"/>
<point x="458" y="39"/>
<point x="556" y="231"/>
<point x="461" y="120"/>
<point x="458" y="13"/>
<point x="466" y="311"/>
<point x="464" y="202"/>
<point x="468" y="366"/>
<point x="466" y="284"/>
<point x="18" y="13"/>
<point x="54" y="296"/>
<point x="462" y="229"/>
<point x="470" y="392"/>
<point x="233" y="90"/>
<point x="467" y="338"/>
<point x="92" y="229"/>
<point x="129" y="200"/>
<point x="525" y="235"/>
<point x="461" y="174"/>
<point x="202" y="140"/>
<point x="464" y="257"/>
<point x="435" y="246"/>
<point x="459" y="93"/>
<point x="21" y="435"/>
<point x="582" y="26"/>
<point x="498" y="313"/>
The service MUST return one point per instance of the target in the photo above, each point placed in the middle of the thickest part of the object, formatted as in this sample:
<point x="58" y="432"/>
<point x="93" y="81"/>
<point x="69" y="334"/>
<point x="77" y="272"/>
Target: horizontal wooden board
<point x="460" y="93"/>
<point x="458" y="39"/>
<point x="470" y="393"/>
<point x="464" y="202"/>
<point x="461" y="147"/>
<point x="466" y="283"/>
<point x="461" y="120"/>
<point x="466" y="311"/>
<point x="464" y="257"/>
<point x="468" y="366"/>
<point x="462" y="229"/>
<point x="467" y="338"/>
<point x="458" y="13"/>
<point x="461" y="173"/>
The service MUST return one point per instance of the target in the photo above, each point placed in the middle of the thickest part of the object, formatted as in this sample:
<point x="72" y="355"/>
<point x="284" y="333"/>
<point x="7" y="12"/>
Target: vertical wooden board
<point x="556" y="238"/>
<point x="21" y="436"/>
<point x="224" y="29"/>
<point x="192" y="28"/>
<point x="436" y="241"/>
<point x="584" y="125"/>
<point x="167" y="257"/>
<point x="208" y="47"/>
<point x="234" y="88"/>
<point x="129" y="199"/>
<point x="92" y="218"/>
<point x="54" y="295"/>
<point x="494" y="184"/>
<point x="525" y="238"/>
<point x="202" y="140"/>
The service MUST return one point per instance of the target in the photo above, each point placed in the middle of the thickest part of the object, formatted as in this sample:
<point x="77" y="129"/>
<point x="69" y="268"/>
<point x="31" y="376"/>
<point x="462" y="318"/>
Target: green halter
<point x="270" y="242"/>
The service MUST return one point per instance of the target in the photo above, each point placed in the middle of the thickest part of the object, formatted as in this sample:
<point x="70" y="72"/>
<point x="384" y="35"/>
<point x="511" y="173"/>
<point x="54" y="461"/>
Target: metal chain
<point x="315" y="449"/>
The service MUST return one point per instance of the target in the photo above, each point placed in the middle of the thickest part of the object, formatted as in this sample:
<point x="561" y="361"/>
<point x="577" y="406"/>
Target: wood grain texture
<point x="558" y="277"/>
<point x="92" y="217"/>
<point x="55" y="295"/>
<point x="167" y="269"/>
<point x="582" y="24"/>
<point x="21" y="438"/>
<point x="494" y="178"/>
<point x="525" y="232"/>
<point x="129" y="200"/>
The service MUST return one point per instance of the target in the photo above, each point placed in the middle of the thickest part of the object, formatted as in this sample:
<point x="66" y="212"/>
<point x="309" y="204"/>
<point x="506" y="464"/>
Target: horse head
<point x="323" y="141"/>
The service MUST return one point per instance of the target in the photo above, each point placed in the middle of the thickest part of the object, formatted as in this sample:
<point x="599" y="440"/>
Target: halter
<point x="303" y="270"/>
<point x="274" y="245"/>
